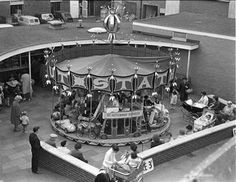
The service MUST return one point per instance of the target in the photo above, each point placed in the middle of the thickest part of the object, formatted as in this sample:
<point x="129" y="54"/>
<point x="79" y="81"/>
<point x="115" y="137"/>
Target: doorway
<point x="55" y="6"/>
<point x="91" y="8"/>
<point x="150" y="11"/>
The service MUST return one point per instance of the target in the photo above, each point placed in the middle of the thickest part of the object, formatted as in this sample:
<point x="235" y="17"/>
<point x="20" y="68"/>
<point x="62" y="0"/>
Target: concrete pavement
<point x="15" y="154"/>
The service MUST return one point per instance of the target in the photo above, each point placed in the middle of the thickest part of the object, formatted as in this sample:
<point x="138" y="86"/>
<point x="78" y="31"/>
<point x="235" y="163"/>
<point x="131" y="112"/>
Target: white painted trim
<point x="84" y="42"/>
<point x="185" y="139"/>
<point x="219" y="36"/>
<point x="223" y="101"/>
<point x="188" y="64"/>
<point x="70" y="159"/>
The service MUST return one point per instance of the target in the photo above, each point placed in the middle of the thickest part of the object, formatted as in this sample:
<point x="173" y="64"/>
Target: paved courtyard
<point x="15" y="154"/>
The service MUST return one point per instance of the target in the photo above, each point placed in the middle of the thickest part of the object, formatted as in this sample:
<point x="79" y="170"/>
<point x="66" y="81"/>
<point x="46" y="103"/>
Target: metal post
<point x="188" y="64"/>
<point x="29" y="59"/>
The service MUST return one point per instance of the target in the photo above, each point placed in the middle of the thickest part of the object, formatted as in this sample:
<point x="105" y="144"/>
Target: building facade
<point x="139" y="8"/>
<point x="77" y="8"/>
<point x="147" y="9"/>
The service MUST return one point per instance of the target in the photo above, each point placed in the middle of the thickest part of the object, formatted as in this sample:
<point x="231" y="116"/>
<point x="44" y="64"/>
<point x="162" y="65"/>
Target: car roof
<point x="28" y="16"/>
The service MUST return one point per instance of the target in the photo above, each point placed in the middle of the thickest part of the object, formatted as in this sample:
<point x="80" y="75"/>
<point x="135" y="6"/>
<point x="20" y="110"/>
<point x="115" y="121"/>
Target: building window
<point x="150" y="11"/>
<point x="55" y="6"/>
<point x="16" y="9"/>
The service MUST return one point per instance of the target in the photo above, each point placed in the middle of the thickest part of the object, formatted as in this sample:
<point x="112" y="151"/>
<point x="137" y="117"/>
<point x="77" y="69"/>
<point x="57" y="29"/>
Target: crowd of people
<point x="13" y="87"/>
<point x="222" y="113"/>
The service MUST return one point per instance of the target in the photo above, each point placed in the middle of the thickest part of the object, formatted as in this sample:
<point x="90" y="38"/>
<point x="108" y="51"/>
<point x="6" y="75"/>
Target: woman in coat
<point x="16" y="112"/>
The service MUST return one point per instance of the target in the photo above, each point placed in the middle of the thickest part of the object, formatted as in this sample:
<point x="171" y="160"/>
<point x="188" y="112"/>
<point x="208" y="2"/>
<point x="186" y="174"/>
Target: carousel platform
<point x="144" y="138"/>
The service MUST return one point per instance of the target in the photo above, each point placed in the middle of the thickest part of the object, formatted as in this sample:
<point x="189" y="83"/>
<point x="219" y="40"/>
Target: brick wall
<point x="184" y="147"/>
<point x="213" y="8"/>
<point x="212" y="67"/>
<point x="53" y="163"/>
<point x="33" y="7"/>
<point x="4" y="8"/>
<point x="65" y="6"/>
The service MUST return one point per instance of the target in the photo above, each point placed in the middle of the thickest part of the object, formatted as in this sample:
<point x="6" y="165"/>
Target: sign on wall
<point x="148" y="165"/>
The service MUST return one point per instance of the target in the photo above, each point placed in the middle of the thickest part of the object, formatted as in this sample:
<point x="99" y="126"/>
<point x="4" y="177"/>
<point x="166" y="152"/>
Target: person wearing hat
<point x="16" y="112"/>
<point x="35" y="149"/>
<point x="225" y="114"/>
<point x="52" y="140"/>
<point x="78" y="154"/>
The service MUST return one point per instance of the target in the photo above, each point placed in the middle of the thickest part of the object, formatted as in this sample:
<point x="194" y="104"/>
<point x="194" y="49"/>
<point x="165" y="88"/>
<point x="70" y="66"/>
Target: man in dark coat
<point x="183" y="87"/>
<point x="35" y="149"/>
<point x="77" y="154"/>
<point x="16" y="112"/>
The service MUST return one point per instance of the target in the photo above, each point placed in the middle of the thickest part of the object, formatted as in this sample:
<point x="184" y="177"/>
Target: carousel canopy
<point x="123" y="65"/>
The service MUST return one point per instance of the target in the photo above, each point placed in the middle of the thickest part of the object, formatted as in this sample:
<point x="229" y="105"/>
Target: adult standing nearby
<point x="183" y="87"/>
<point x="35" y="149"/>
<point x="16" y="112"/>
<point x="26" y="86"/>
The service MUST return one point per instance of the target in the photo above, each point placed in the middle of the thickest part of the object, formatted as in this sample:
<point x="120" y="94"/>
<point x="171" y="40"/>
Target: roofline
<point x="185" y="31"/>
<point x="84" y="42"/>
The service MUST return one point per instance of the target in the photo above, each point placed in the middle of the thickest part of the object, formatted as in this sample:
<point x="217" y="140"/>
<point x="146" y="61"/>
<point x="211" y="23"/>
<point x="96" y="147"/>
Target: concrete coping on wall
<point x="223" y="101"/>
<point x="178" y="141"/>
<point x="70" y="159"/>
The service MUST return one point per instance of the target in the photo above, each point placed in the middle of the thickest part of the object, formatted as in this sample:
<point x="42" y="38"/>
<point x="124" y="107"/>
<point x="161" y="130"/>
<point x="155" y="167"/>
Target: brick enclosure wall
<point x="190" y="146"/>
<point x="64" y="168"/>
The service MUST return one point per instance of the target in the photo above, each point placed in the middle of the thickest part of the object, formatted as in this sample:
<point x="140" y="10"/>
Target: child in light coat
<point x="24" y="120"/>
<point x="174" y="98"/>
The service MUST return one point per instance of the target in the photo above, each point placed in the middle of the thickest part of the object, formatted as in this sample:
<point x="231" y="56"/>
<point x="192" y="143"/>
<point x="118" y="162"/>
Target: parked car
<point x="28" y="20"/>
<point x="5" y="25"/>
<point x="44" y="17"/>
<point x="63" y="16"/>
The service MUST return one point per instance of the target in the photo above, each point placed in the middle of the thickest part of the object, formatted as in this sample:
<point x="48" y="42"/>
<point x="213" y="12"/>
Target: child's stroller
<point x="134" y="175"/>
<point x="207" y="120"/>
<point x="191" y="111"/>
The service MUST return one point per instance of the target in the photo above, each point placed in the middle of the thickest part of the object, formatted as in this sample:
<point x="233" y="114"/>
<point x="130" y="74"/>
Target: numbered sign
<point x="234" y="131"/>
<point x="148" y="166"/>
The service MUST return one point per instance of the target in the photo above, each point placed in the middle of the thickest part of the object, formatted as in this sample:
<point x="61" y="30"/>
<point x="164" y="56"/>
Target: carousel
<point x="110" y="98"/>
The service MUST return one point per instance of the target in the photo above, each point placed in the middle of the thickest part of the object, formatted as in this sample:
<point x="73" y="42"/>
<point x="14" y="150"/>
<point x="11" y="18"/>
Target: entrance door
<point x="120" y="127"/>
<point x="16" y="9"/>
<point x="150" y="11"/>
<point x="55" y="6"/>
<point x="74" y="9"/>
<point x="114" y="128"/>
